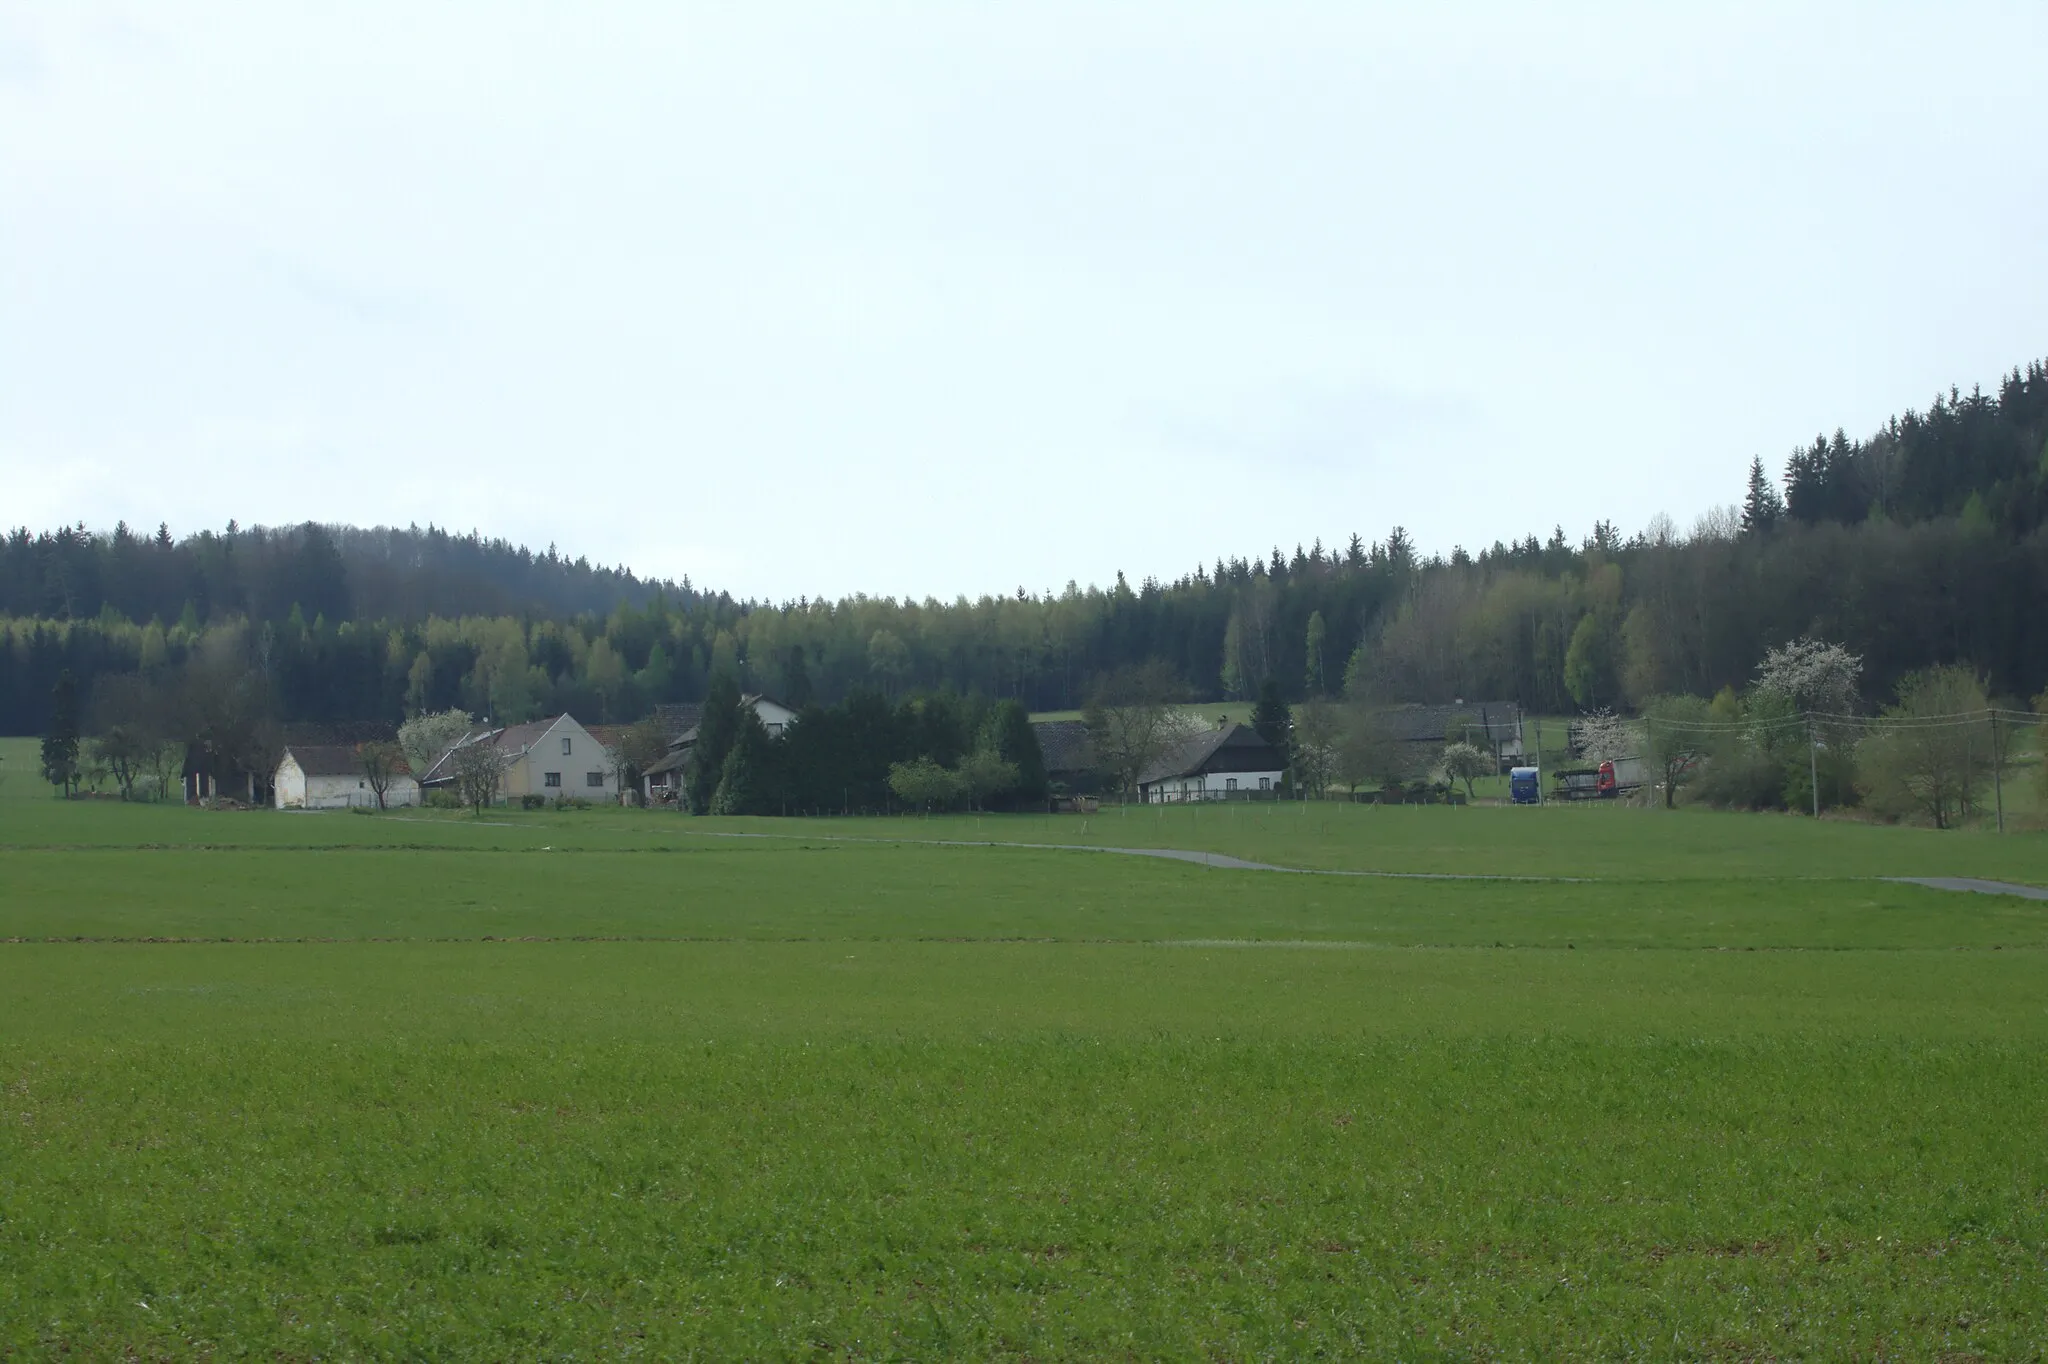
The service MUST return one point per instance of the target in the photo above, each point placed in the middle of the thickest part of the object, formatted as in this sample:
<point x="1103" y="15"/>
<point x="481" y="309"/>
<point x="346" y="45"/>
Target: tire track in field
<point x="1204" y="859"/>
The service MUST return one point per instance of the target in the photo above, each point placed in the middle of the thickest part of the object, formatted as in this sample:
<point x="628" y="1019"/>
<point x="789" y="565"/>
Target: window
<point x="551" y="779"/>
<point x="1265" y="783"/>
<point x="1230" y="783"/>
<point x="565" y="745"/>
<point x="775" y="731"/>
<point x="593" y="779"/>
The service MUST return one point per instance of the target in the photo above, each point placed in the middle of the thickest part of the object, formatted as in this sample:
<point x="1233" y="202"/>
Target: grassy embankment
<point x="770" y="1096"/>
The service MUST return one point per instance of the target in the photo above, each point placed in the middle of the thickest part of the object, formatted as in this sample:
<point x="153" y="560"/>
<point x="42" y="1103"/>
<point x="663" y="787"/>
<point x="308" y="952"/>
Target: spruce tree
<point x="716" y="729"/>
<point x="1762" y="508"/>
<point x="1271" y="719"/>
<point x="1008" y="734"/>
<point x="60" y="741"/>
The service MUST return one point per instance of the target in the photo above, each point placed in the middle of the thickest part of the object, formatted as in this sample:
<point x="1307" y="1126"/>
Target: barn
<point x="330" y="777"/>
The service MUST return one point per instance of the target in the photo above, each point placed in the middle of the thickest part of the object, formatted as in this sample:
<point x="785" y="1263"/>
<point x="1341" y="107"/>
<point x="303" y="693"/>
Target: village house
<point x="555" y="759"/>
<point x="663" y="781"/>
<point x="1230" y="762"/>
<point x="331" y="777"/>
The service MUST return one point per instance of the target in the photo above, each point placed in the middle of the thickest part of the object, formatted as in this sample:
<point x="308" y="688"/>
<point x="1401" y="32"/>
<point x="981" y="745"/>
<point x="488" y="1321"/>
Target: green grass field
<point x="609" y="1084"/>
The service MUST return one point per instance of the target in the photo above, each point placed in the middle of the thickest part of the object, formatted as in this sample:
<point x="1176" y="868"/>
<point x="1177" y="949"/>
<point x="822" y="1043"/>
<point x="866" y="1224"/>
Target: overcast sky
<point x="931" y="299"/>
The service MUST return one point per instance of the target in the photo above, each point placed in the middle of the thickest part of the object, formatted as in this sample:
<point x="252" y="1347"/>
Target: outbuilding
<point x="331" y="777"/>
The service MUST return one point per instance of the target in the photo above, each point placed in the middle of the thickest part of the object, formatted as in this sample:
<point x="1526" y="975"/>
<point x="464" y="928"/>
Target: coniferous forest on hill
<point x="1924" y="543"/>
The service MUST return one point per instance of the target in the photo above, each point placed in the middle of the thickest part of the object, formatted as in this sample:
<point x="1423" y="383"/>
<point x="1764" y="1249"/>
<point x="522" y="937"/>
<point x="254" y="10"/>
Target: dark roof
<point x="677" y="717"/>
<point x="1428" y="724"/>
<point x="675" y="760"/>
<point x="1231" y="748"/>
<point x="326" y="760"/>
<point x="1065" y="745"/>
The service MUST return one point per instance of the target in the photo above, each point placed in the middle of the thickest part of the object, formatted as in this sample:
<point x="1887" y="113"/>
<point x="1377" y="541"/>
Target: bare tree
<point x="127" y="720"/>
<point x="1368" y="751"/>
<point x="1318" y="732"/>
<point x="636" y="748"/>
<point x="1674" y="729"/>
<point x="479" y="769"/>
<point x="1134" y="719"/>
<point x="382" y="764"/>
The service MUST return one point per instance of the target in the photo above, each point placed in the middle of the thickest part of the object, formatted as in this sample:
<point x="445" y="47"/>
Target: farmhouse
<point x="555" y="758"/>
<point x="330" y="777"/>
<point x="663" y="781"/>
<point x="1227" y="763"/>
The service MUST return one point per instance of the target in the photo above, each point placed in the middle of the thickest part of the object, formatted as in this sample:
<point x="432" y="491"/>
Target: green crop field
<point x="1570" y="1082"/>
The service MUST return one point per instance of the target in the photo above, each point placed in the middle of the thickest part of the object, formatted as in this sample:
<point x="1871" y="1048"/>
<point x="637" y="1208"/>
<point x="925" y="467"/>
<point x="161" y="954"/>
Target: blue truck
<point x="1524" y="786"/>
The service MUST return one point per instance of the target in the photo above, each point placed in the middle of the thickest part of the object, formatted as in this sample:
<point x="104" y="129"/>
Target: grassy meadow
<point x="608" y="1084"/>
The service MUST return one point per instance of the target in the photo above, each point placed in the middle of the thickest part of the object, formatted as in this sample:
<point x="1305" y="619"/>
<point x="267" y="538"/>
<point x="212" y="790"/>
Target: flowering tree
<point x="1811" y="674"/>
<point x="1465" y="763"/>
<point x="1605" y="736"/>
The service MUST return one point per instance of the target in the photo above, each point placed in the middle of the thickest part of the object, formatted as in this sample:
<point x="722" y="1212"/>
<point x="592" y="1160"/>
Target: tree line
<point x="1922" y="545"/>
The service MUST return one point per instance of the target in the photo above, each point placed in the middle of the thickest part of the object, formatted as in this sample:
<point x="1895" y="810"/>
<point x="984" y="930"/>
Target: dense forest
<point x="1925" y="543"/>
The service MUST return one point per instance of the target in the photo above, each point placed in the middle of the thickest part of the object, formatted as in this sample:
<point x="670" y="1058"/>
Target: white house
<point x="664" y="779"/>
<point x="555" y="758"/>
<point x="330" y="777"/>
<point x="1228" y="763"/>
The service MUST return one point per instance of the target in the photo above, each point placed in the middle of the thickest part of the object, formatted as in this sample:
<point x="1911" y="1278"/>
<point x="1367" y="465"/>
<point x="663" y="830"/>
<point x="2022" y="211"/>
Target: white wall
<point x="527" y="775"/>
<point x="297" y="791"/>
<point x="1210" y="786"/>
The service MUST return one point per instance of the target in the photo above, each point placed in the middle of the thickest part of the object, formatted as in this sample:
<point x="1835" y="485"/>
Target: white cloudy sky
<point x="940" y="298"/>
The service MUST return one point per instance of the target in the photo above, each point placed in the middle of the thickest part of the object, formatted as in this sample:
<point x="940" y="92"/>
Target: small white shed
<point x="330" y="777"/>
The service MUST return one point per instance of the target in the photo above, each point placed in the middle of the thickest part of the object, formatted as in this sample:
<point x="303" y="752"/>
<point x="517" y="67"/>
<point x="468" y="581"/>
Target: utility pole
<point x="1998" y="771"/>
<point x="1539" y="761"/>
<point x="1813" y="763"/>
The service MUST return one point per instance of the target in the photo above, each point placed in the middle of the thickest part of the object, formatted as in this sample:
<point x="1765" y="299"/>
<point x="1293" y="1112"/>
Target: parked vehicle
<point x="1524" y="786"/>
<point x="1609" y="781"/>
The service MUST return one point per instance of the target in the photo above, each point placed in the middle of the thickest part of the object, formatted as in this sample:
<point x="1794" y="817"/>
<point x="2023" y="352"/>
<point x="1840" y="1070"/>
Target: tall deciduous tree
<point x="1674" y="739"/>
<point x="1930" y="753"/>
<point x="1134" y="719"/>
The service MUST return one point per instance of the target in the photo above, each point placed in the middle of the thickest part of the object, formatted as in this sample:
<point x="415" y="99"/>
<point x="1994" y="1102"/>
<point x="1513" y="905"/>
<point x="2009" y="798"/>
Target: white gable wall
<point x="527" y="774"/>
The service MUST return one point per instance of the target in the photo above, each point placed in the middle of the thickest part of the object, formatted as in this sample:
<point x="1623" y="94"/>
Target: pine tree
<point x="743" y="778"/>
<point x="1271" y="719"/>
<point x="60" y="743"/>
<point x="716" y="729"/>
<point x="1316" y="642"/>
<point x="1008" y="734"/>
<point x="1762" y="508"/>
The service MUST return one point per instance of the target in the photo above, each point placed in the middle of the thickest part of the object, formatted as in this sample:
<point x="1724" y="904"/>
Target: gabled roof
<point x="510" y="741"/>
<point x="326" y="760"/>
<point x="674" y="761"/>
<point x="1197" y="751"/>
<point x="1428" y="724"/>
<point x="678" y="717"/>
<point x="1065" y="745"/>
